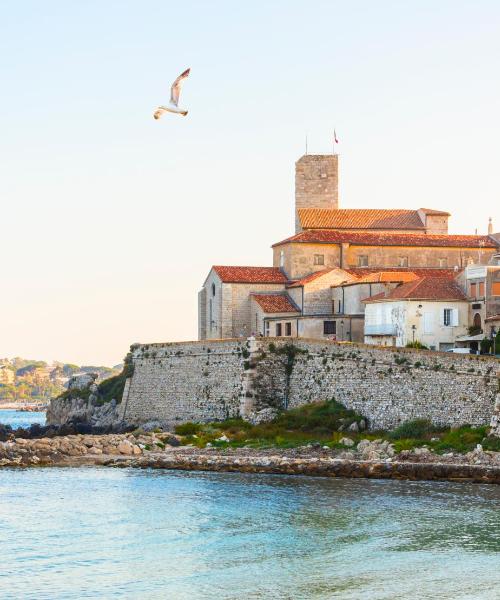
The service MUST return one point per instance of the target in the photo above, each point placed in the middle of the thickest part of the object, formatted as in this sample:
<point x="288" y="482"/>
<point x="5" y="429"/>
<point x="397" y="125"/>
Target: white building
<point x="432" y="311"/>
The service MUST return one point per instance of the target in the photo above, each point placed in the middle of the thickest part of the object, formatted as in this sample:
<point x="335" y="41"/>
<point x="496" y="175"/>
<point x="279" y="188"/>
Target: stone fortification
<point x="214" y="380"/>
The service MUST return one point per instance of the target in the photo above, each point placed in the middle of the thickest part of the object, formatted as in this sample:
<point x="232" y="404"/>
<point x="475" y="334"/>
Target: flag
<point x="335" y="140"/>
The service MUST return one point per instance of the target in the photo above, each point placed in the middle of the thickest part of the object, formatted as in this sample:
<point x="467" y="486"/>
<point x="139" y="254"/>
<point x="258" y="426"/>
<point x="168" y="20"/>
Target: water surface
<point x="18" y="418"/>
<point x="106" y="533"/>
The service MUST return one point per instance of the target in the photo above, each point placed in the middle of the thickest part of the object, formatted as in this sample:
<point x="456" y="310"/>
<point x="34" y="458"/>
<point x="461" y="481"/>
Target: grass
<point x="312" y="423"/>
<point x="319" y="423"/>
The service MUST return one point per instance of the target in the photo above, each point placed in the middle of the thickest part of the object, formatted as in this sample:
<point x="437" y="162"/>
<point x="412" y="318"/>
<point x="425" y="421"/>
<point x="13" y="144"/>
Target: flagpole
<point x="306" y="144"/>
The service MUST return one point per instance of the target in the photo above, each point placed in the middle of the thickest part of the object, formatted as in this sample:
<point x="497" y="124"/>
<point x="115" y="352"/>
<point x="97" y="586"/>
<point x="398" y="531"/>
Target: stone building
<point x="332" y="246"/>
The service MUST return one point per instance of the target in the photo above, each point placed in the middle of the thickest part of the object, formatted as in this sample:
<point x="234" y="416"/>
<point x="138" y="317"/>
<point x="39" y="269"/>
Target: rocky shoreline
<point x="373" y="460"/>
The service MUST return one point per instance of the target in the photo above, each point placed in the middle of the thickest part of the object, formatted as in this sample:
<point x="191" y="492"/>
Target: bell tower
<point x="316" y="183"/>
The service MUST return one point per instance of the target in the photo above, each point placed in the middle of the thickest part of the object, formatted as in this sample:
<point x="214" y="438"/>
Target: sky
<point x="111" y="220"/>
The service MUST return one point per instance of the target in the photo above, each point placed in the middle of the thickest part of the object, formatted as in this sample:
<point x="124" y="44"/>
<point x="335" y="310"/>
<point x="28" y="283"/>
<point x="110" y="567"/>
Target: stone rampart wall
<point x="213" y="380"/>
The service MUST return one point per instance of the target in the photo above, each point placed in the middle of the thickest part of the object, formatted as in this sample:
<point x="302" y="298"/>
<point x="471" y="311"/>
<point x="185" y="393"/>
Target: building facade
<point x="336" y="259"/>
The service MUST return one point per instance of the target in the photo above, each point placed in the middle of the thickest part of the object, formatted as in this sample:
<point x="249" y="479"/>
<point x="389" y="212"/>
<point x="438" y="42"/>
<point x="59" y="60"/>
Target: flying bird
<point x="175" y="92"/>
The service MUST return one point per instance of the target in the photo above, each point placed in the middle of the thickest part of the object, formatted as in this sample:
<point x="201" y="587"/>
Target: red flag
<point x="335" y="137"/>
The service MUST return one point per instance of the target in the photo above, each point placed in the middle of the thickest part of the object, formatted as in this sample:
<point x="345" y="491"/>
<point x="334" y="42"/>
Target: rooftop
<point x="275" y="303"/>
<point x="250" y="274"/>
<point x="328" y="236"/>
<point x="309" y="278"/>
<point x="425" y="288"/>
<point x="360" y="218"/>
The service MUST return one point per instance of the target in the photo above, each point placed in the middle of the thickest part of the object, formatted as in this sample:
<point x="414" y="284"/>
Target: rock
<point x="345" y="441"/>
<point x="353" y="427"/>
<point x="362" y="425"/>
<point x="82" y="382"/>
<point x="262" y="416"/>
<point x="223" y="438"/>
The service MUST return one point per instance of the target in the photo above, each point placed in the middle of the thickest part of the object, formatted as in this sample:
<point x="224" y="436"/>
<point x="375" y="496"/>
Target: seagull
<point x="174" y="98"/>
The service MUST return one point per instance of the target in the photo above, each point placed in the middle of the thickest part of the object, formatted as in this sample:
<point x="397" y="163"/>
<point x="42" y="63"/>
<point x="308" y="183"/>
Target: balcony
<point x="382" y="329"/>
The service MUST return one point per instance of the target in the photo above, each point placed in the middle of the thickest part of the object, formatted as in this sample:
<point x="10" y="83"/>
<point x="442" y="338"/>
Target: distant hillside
<point x="23" y="380"/>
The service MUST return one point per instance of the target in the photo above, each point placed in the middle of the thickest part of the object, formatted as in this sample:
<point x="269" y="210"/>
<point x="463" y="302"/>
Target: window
<point x="450" y="317"/>
<point x="266" y="328"/>
<point x="473" y="287"/>
<point x="340" y="306"/>
<point x="329" y="327"/>
<point x="403" y="261"/>
<point x="319" y="259"/>
<point x="481" y="289"/>
<point x="363" y="260"/>
<point x="288" y="329"/>
<point x="278" y="329"/>
<point x="443" y="262"/>
<point x="213" y="289"/>
<point x="495" y="288"/>
<point x="282" y="258"/>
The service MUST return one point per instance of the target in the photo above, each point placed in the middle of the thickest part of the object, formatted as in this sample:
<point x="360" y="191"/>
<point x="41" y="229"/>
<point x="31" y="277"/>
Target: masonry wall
<point x="213" y="380"/>
<point x="190" y="381"/>
<point x="299" y="257"/>
<point x="316" y="183"/>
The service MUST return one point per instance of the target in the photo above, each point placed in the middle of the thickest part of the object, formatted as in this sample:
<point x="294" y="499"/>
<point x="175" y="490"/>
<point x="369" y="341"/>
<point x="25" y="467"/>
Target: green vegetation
<point x="319" y="423"/>
<point x="415" y="429"/>
<point x="311" y="423"/>
<point x="416" y="345"/>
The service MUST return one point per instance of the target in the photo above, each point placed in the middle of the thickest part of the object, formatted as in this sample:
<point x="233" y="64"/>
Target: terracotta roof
<point x="388" y="277"/>
<point x="419" y="272"/>
<point x="359" y="218"/>
<point x="328" y="236"/>
<point x="426" y="288"/>
<point x="275" y="303"/>
<point x="378" y="296"/>
<point x="250" y="274"/>
<point x="308" y="278"/>
<point x="493" y="318"/>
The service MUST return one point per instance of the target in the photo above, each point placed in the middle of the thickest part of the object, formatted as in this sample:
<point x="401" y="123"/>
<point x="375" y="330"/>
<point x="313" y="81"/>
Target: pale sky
<point x="111" y="220"/>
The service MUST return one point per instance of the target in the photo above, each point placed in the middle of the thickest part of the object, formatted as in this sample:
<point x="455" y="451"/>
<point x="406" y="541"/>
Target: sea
<point x="18" y="418"/>
<point x="97" y="532"/>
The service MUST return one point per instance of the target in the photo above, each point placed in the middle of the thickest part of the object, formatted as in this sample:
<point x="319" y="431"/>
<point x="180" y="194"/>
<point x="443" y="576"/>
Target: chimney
<point x="316" y="183"/>
<point x="490" y="226"/>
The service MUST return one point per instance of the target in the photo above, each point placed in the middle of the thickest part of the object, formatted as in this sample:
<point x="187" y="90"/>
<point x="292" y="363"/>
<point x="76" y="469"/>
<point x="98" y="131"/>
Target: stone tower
<point x="316" y="183"/>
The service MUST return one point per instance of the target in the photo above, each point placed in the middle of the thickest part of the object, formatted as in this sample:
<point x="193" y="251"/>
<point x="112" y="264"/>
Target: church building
<point x="336" y="259"/>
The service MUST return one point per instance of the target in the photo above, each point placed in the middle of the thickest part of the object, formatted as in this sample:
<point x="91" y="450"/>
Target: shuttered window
<point x="495" y="288"/>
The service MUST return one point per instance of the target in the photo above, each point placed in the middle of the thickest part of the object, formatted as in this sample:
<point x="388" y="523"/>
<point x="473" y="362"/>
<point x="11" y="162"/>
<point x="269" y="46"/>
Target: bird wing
<point x="176" y="87"/>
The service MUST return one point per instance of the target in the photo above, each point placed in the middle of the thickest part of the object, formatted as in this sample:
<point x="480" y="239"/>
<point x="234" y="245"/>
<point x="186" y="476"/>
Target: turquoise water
<point x="111" y="533"/>
<point x="17" y="418"/>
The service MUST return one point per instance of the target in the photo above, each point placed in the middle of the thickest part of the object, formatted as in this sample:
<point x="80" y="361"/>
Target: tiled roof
<point x="420" y="272"/>
<point x="388" y="277"/>
<point x="309" y="278"/>
<point x="493" y="318"/>
<point x="275" y="303"/>
<point x="328" y="236"/>
<point x="359" y="218"/>
<point x="426" y="288"/>
<point x="250" y="274"/>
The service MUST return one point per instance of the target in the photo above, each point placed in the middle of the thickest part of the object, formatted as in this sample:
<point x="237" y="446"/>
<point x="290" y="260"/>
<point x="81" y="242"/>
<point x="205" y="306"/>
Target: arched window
<point x="477" y="321"/>
<point x="213" y="289"/>
<point x="282" y="258"/>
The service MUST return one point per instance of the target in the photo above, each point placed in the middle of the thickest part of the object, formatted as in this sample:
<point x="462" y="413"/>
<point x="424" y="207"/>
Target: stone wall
<point x="213" y="380"/>
<point x="185" y="381"/>
<point x="316" y="183"/>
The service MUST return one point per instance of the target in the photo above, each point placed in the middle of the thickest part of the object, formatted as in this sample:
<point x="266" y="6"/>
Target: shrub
<point x="188" y="428"/>
<point x="417" y="345"/>
<point x="417" y="428"/>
